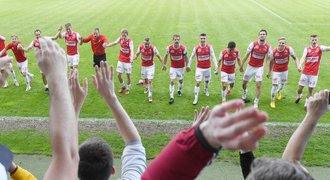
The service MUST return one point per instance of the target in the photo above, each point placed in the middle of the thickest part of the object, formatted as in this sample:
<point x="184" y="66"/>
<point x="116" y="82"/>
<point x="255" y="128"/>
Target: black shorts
<point x="98" y="58"/>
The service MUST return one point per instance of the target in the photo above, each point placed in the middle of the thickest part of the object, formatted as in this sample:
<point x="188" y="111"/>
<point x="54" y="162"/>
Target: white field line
<point x="270" y="11"/>
<point x="275" y="124"/>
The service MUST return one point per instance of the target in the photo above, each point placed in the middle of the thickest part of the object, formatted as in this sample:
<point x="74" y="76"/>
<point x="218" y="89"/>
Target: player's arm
<point x="317" y="107"/>
<point x="58" y="33"/>
<point x="219" y="61"/>
<point x="156" y="52"/>
<point x="62" y="118"/>
<point x="270" y="66"/>
<point x="3" y="51"/>
<point x="294" y="57"/>
<point x="113" y="43"/>
<point x="302" y="60"/>
<point x="105" y="41"/>
<point x="214" y="59"/>
<point x="192" y="56"/>
<point x="104" y="84"/>
<point x="325" y="48"/>
<point x="166" y="55"/>
<point x="138" y="52"/>
<point x="246" y="56"/>
<point x="131" y="46"/>
<point x="85" y="40"/>
<point x="26" y="49"/>
<point x="185" y="53"/>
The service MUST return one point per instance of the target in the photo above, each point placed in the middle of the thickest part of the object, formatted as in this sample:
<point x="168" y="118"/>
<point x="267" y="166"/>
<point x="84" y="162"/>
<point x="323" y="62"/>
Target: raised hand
<point x="201" y="116"/>
<point x="78" y="93"/>
<point x="239" y="130"/>
<point x="103" y="80"/>
<point x="51" y="59"/>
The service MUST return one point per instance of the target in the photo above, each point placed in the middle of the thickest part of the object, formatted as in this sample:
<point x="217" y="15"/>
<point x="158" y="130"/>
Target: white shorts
<point x="308" y="80"/>
<point x="23" y="66"/>
<point x="147" y="72"/>
<point x="250" y="71"/>
<point x="280" y="77"/>
<point x="200" y="73"/>
<point x="73" y="60"/>
<point x="124" y="67"/>
<point x="10" y="65"/>
<point x="176" y="73"/>
<point x="227" y="78"/>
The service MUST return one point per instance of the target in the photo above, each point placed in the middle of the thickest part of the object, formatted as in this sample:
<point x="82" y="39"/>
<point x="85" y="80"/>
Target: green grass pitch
<point x="223" y="21"/>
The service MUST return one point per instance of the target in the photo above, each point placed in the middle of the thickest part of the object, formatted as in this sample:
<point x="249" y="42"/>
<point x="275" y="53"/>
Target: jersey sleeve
<point x="193" y="53"/>
<point x="238" y="55"/>
<point x="78" y="37"/>
<point x="9" y="46"/>
<point x="156" y="52"/>
<point x="62" y="35"/>
<point x="185" y="51"/>
<point x="213" y="56"/>
<point x="323" y="48"/>
<point x="270" y="51"/>
<point x="250" y="48"/>
<point x="30" y="45"/>
<point x="167" y="50"/>
<point x="87" y="39"/>
<point x="138" y="50"/>
<point x="221" y="56"/>
<point x="292" y="53"/>
<point x="118" y="40"/>
<point x="305" y="52"/>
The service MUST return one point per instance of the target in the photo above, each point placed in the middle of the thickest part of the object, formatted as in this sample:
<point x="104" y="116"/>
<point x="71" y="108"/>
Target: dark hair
<point x="97" y="29"/>
<point x="231" y="45"/>
<point x="314" y="36"/>
<point x="147" y="39"/>
<point x="176" y="35"/>
<point x="67" y="25"/>
<point x="282" y="38"/>
<point x="263" y="30"/>
<point x="124" y="31"/>
<point x="202" y="34"/>
<point x="96" y="160"/>
<point x="277" y="169"/>
<point x="36" y="30"/>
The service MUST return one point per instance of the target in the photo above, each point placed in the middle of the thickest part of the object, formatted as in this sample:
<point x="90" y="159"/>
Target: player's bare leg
<point x="230" y="87"/>
<point x="272" y="95"/>
<point x="121" y="81"/>
<point x="196" y="92"/>
<point x="206" y="88"/>
<point x="310" y="93"/>
<point x="150" y="90"/>
<point x="147" y="86"/>
<point x="128" y="84"/>
<point x="172" y="91"/>
<point x="224" y="92"/>
<point x="299" y="91"/>
<point x="27" y="79"/>
<point x="244" y="95"/>
<point x="180" y="86"/>
<point x="258" y="92"/>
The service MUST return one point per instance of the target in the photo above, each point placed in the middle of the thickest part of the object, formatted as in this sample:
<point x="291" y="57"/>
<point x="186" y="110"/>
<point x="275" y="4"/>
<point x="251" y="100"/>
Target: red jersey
<point x="71" y="41"/>
<point x="177" y="55"/>
<point x="258" y="53"/>
<point x="2" y="46"/>
<point x="125" y="50"/>
<point x="19" y="54"/>
<point x="36" y="43"/>
<point x="313" y="59"/>
<point x="203" y="56"/>
<point x="228" y="60"/>
<point x="96" y="43"/>
<point x="147" y="54"/>
<point x="281" y="59"/>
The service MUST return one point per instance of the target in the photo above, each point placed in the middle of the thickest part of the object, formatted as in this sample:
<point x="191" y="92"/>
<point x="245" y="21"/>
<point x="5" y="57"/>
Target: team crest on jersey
<point x="142" y="50"/>
<point x="199" y="50"/>
<point x="257" y="46"/>
<point x="172" y="51"/>
<point x="309" y="51"/>
<point x="277" y="54"/>
<point x="226" y="55"/>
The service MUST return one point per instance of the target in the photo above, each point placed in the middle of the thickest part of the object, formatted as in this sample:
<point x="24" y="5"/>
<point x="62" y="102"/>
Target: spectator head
<point x="277" y="169"/>
<point x="96" y="160"/>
